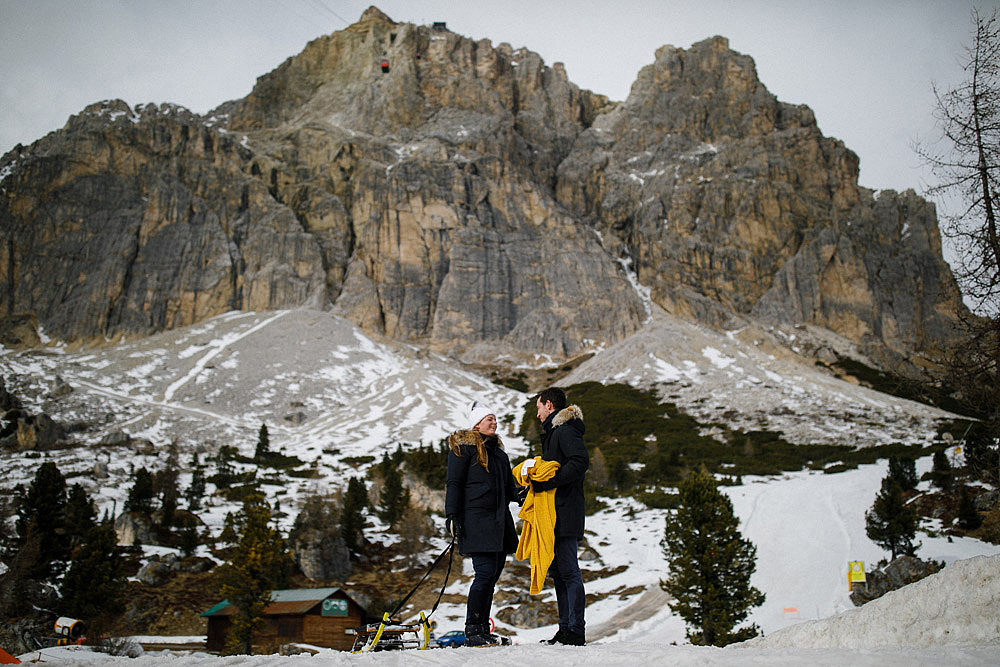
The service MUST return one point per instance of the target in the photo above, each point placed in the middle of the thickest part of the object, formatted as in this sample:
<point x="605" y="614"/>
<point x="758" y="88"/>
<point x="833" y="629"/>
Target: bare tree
<point x="966" y="161"/>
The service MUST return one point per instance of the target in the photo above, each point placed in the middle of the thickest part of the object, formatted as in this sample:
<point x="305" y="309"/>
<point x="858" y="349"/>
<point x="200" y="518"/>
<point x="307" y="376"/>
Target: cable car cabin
<point x="316" y="616"/>
<point x="385" y="66"/>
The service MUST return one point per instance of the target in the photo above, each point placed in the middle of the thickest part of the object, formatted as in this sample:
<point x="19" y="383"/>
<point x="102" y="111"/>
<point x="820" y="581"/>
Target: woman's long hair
<point x="458" y="438"/>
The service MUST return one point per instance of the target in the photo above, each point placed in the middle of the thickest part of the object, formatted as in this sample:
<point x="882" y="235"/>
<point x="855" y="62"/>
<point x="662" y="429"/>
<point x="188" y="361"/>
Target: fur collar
<point x="566" y="415"/>
<point x="468" y="437"/>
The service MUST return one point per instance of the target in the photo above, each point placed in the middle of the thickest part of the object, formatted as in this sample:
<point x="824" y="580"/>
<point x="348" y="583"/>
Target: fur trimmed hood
<point x="468" y="437"/>
<point x="567" y="414"/>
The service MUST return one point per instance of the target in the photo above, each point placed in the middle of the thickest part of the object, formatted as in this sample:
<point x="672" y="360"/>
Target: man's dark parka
<point x="562" y="441"/>
<point x="480" y="497"/>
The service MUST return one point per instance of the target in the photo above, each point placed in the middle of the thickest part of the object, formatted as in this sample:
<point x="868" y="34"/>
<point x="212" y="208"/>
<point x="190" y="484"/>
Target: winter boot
<point x="570" y="638"/>
<point x="555" y="639"/>
<point x="479" y="635"/>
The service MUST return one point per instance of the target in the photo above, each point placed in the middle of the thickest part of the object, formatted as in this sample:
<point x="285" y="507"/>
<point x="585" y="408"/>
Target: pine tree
<point x="352" y="519"/>
<point x="229" y="534"/>
<point x="941" y="471"/>
<point x="94" y="585"/>
<point x="620" y="475"/>
<point x="395" y="498"/>
<point x="41" y="511"/>
<point x="710" y="565"/>
<point x="196" y="490"/>
<point x="80" y="515"/>
<point x="263" y="449"/>
<point x="260" y="564"/>
<point x="140" y="496"/>
<point x="904" y="471"/>
<point x="891" y="523"/>
<point x="165" y="486"/>
<point x="968" y="517"/>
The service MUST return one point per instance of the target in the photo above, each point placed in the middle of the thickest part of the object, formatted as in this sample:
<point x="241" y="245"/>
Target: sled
<point x="388" y="635"/>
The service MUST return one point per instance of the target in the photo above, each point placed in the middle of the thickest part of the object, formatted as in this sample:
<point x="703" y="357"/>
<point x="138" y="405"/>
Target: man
<point x="562" y="441"/>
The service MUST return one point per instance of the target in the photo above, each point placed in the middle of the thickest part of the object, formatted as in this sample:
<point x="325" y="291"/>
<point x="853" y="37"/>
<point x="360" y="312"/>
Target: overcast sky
<point x="864" y="67"/>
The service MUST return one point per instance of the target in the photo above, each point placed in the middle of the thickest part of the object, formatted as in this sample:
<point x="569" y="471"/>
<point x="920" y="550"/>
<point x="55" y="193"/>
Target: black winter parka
<point x="562" y="441"/>
<point x="480" y="497"/>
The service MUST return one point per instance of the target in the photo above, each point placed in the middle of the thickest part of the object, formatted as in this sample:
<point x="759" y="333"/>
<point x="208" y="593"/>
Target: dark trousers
<point x="487" y="567"/>
<point x="565" y="573"/>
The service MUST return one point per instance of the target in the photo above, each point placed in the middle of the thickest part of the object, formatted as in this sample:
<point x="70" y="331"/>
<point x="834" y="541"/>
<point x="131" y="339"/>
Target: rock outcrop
<point x="731" y="202"/>
<point x="471" y="199"/>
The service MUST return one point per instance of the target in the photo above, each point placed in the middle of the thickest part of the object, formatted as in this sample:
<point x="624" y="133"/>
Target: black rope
<point x="450" y="549"/>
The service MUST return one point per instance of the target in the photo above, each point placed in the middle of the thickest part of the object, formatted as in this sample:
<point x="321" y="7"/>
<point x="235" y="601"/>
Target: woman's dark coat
<point x="562" y="441"/>
<point x="479" y="497"/>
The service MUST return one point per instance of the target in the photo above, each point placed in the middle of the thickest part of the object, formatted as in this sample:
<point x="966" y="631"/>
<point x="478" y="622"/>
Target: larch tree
<point x="966" y="161"/>
<point x="260" y="563"/>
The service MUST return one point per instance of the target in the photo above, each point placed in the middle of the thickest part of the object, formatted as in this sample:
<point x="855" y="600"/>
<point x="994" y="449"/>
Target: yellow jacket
<point x="538" y="532"/>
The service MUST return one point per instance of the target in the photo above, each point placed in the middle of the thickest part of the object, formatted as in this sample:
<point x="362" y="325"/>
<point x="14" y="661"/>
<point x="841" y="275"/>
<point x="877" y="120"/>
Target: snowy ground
<point x="330" y="394"/>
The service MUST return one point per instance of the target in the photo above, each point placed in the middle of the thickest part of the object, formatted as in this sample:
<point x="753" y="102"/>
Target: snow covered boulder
<point x="958" y="605"/>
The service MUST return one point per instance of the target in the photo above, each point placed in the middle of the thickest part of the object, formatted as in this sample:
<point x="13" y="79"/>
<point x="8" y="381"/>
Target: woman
<point x="480" y="486"/>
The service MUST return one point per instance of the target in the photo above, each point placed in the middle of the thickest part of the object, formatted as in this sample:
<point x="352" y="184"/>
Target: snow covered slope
<point x="752" y="379"/>
<point x="327" y="393"/>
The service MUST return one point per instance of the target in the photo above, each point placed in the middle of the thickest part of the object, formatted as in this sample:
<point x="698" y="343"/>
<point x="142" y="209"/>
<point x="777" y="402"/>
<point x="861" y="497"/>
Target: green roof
<point x="286" y="595"/>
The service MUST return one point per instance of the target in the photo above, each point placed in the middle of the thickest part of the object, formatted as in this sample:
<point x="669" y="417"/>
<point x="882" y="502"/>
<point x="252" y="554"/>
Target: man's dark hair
<point x="554" y="394"/>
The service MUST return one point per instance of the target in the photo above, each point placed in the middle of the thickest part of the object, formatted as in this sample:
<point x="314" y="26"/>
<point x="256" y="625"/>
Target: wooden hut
<point x="316" y="616"/>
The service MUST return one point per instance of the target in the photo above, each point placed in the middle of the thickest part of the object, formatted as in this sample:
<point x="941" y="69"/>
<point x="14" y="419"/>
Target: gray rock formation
<point x="900" y="572"/>
<point x="322" y="556"/>
<point x="133" y="529"/>
<point x="471" y="199"/>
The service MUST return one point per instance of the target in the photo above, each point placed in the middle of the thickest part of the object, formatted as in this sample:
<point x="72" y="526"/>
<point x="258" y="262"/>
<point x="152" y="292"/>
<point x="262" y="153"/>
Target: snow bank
<point x="960" y="605"/>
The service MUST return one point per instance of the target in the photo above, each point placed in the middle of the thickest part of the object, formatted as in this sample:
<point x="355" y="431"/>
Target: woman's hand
<point x="454" y="525"/>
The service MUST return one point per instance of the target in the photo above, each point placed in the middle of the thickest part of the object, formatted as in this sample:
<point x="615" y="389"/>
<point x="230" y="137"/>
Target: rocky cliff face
<point x="471" y="199"/>
<point x="732" y="202"/>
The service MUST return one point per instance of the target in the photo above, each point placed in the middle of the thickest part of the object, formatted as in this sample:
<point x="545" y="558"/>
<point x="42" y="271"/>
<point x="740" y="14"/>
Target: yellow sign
<point x="855" y="572"/>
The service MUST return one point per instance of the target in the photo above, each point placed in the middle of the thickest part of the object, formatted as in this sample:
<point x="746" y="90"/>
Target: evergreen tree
<point x="41" y="511"/>
<point x="189" y="541"/>
<point x="710" y="565"/>
<point x="94" y="585"/>
<point x="941" y="471"/>
<point x="196" y="490"/>
<point x="225" y="472"/>
<point x="904" y="471"/>
<point x="80" y="515"/>
<point x="229" y="533"/>
<point x="395" y="498"/>
<point x="352" y="518"/>
<point x="165" y="486"/>
<point x="981" y="454"/>
<point x="140" y="496"/>
<point x="620" y="475"/>
<point x="891" y="523"/>
<point x="263" y="449"/>
<point x="968" y="517"/>
<point x="260" y="564"/>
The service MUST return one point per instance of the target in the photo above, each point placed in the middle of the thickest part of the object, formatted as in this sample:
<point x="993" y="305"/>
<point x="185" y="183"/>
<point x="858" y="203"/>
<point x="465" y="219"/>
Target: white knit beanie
<point x="477" y="412"/>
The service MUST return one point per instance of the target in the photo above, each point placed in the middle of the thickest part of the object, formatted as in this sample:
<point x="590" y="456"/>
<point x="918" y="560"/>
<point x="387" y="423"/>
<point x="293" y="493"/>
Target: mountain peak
<point x="373" y="13"/>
